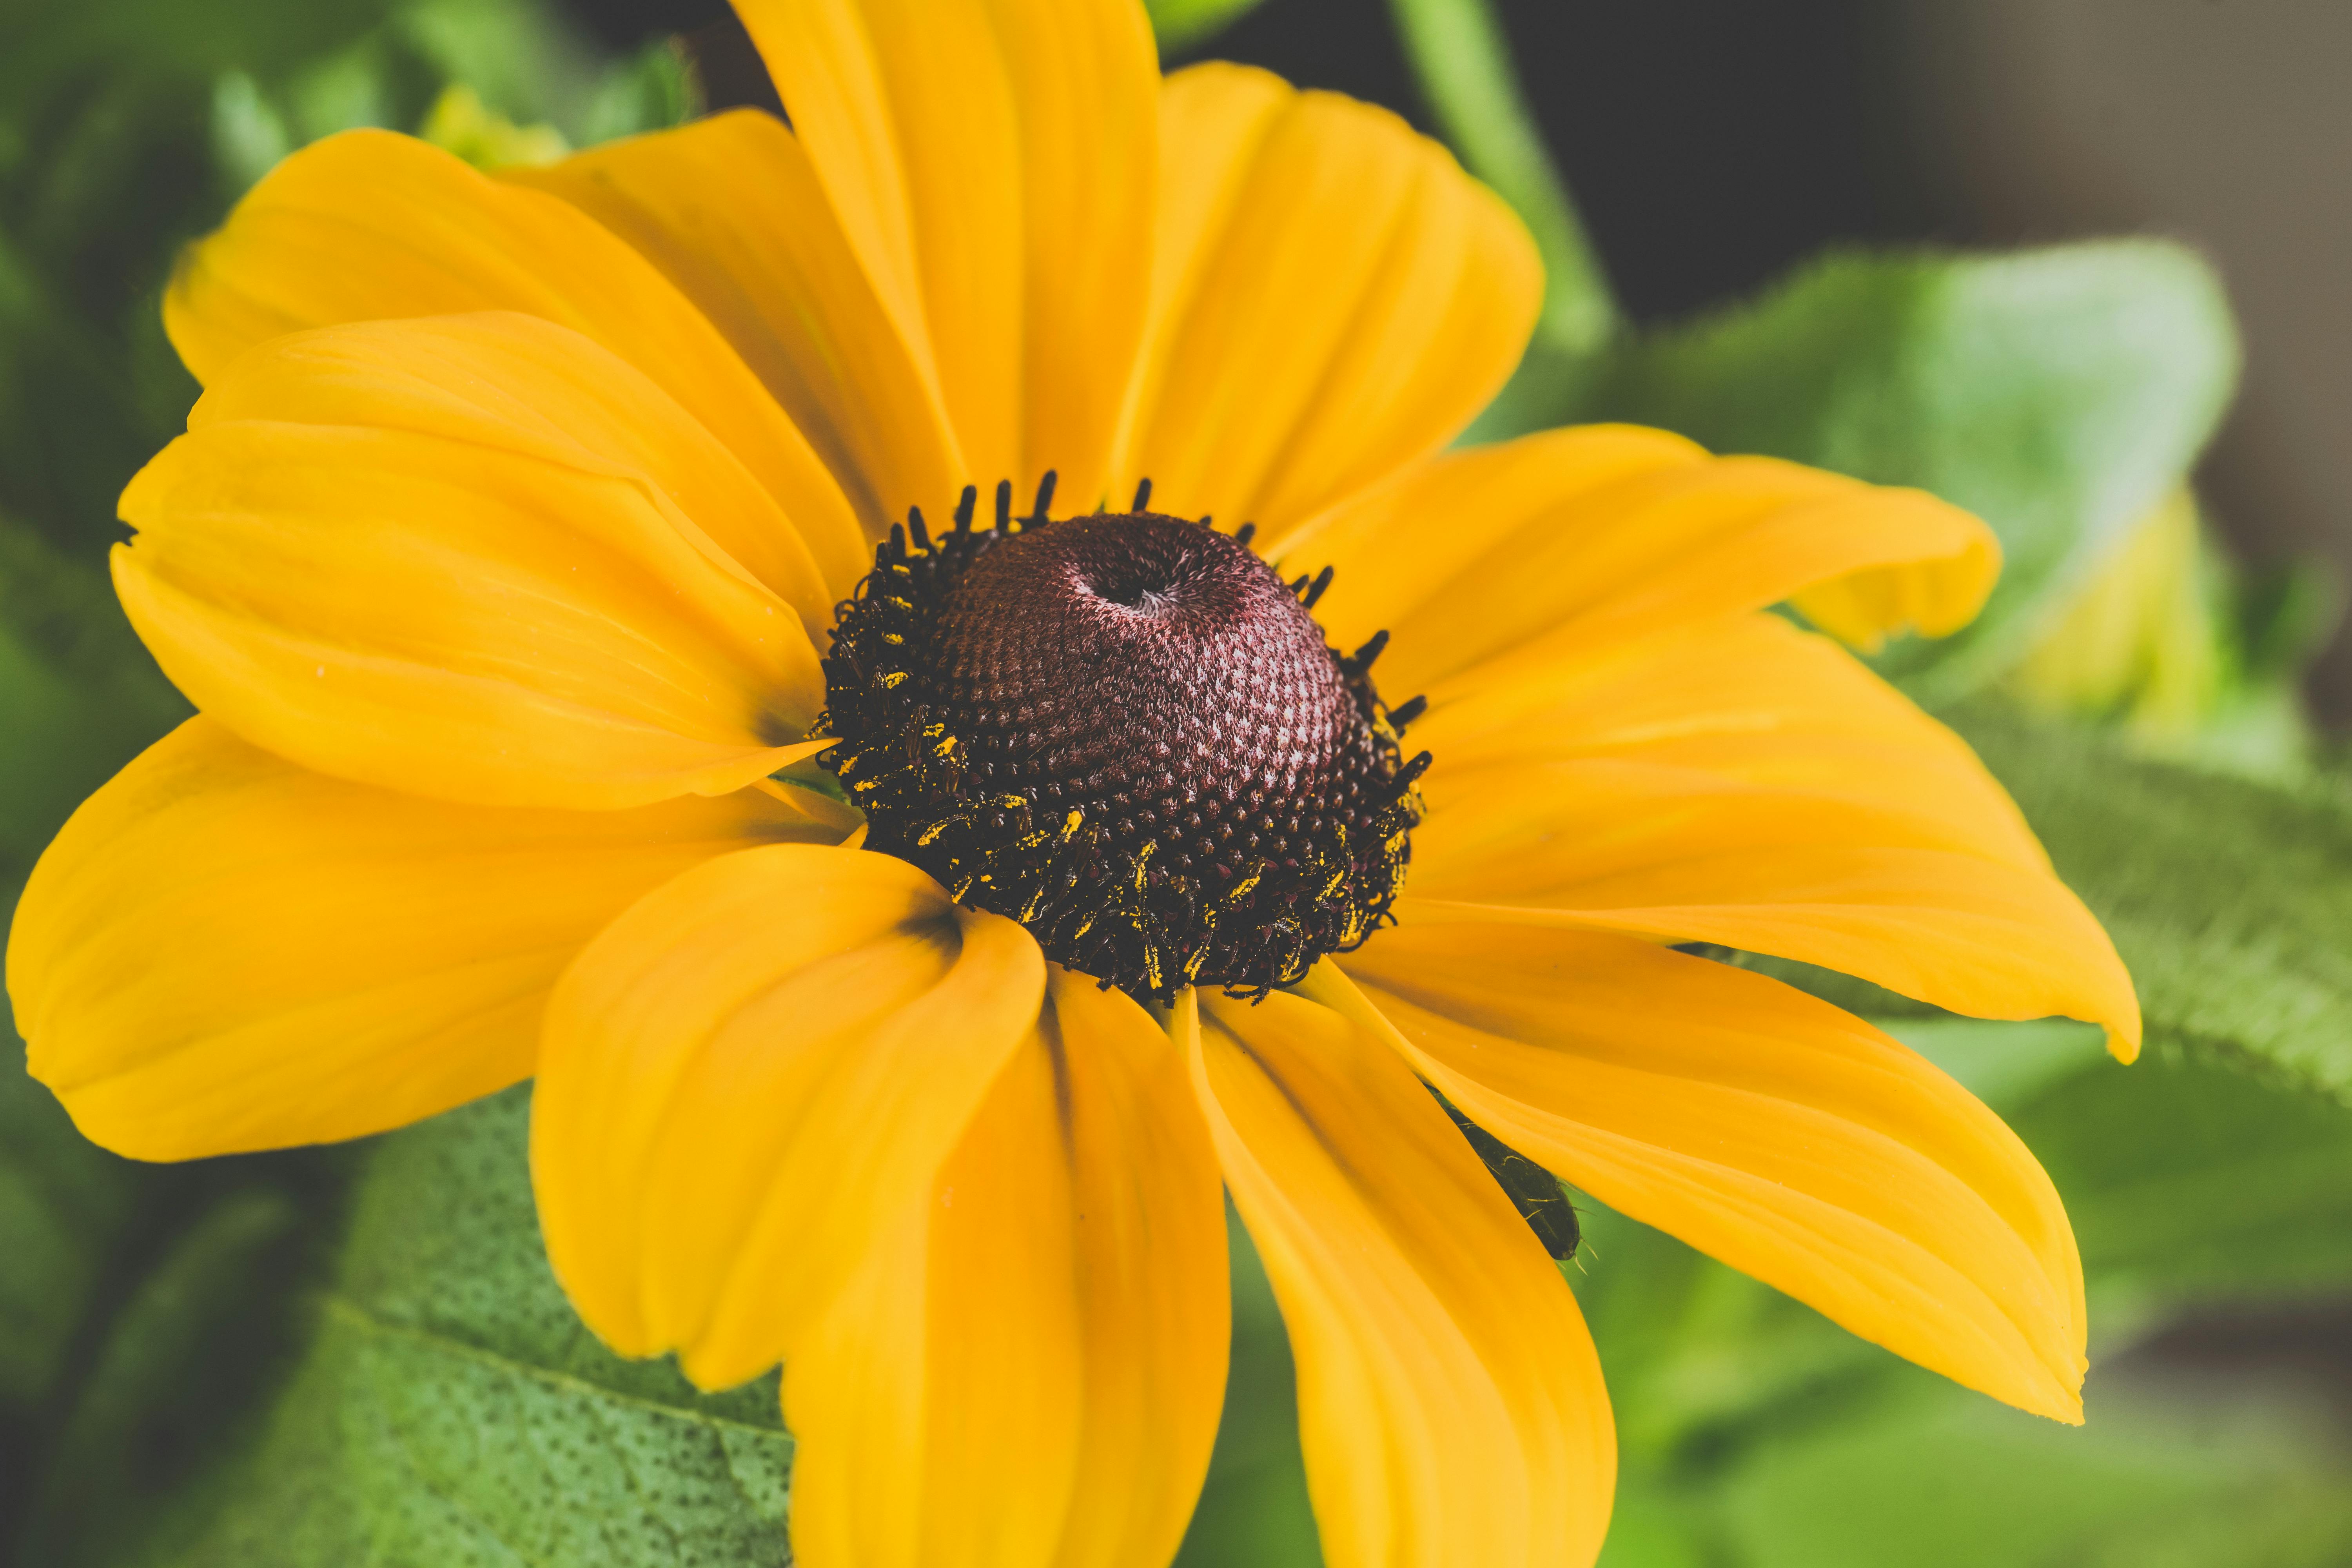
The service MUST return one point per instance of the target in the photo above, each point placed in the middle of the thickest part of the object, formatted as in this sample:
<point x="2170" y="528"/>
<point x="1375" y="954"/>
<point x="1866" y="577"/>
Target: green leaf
<point x="1950" y="1479"/>
<point x="78" y="696"/>
<point x="184" y="1348"/>
<point x="1700" y="1358"/>
<point x="2189" y="1183"/>
<point x="1255" y="1512"/>
<point x="2230" y="900"/>
<point x="1462" y="60"/>
<point x="446" y="1406"/>
<point x="2004" y="1064"/>
<point x="64" y="1202"/>
<point x="2059" y="394"/>
<point x="1184" y="25"/>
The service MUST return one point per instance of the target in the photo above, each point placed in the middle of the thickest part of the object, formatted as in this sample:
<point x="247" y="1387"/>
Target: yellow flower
<point x="499" y="557"/>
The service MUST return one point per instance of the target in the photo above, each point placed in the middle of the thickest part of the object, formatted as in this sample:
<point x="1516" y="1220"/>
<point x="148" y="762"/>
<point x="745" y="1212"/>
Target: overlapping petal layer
<point x="457" y="599"/>
<point x="1624" y="743"/>
<point x="1029" y="1373"/>
<point x="1761" y="1125"/>
<point x="224" y="951"/>
<point x="524" y="384"/>
<point x="1870" y="893"/>
<point x="368" y="226"/>
<point x="1750" y="701"/>
<point x="749" y="1079"/>
<point x="991" y="165"/>
<point x="1332" y="298"/>
<point x="731" y="210"/>
<point x="1589" y="538"/>
<point x="1450" y="1402"/>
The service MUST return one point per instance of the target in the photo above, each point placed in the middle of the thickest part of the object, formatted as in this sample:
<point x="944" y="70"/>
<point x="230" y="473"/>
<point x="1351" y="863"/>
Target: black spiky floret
<point x="1125" y="732"/>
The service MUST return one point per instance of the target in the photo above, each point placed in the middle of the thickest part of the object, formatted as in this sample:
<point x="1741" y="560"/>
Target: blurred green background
<point x="356" y="1354"/>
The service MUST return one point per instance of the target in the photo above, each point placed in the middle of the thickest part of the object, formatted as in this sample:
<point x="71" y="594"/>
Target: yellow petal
<point x="368" y="226"/>
<point x="1828" y="876"/>
<point x="1589" y="538"/>
<point x="990" y="163"/>
<point x="522" y="384"/>
<point x="731" y="210"/>
<point x="1332" y="297"/>
<point x="1788" y="1139"/>
<point x="1751" y="701"/>
<point x="749" y="1080"/>
<point x="451" y="602"/>
<point x="223" y="952"/>
<point x="1029" y="1373"/>
<point x="1450" y="1402"/>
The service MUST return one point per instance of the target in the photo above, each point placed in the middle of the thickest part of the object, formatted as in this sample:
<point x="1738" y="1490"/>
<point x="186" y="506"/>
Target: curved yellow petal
<point x="1332" y="297"/>
<point x="368" y="226"/>
<point x="1752" y="700"/>
<point x="522" y="384"/>
<point x="1450" y="1401"/>
<point x="1030" y="1372"/>
<point x="1780" y="874"/>
<point x="223" y="952"/>
<point x="1790" y="1140"/>
<point x="1594" y="537"/>
<point x="731" y="210"/>
<point x="991" y="162"/>
<point x="751" y="1078"/>
<point x="450" y="602"/>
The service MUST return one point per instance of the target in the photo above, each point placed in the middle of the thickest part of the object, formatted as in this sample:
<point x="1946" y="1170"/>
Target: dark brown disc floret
<point x="1126" y="732"/>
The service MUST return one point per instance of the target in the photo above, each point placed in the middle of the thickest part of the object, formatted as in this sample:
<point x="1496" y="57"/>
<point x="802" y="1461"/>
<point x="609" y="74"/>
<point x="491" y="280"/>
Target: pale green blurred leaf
<point x="178" y="1360"/>
<point x="63" y="1204"/>
<point x="2191" y="1183"/>
<point x="2004" y="1064"/>
<point x="1949" y="1478"/>
<point x="78" y="696"/>
<point x="1253" y="1513"/>
<point x="2059" y="394"/>
<point x="1184" y="25"/>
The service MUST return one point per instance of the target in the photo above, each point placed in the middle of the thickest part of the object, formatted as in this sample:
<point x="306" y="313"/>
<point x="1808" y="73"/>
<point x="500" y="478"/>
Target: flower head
<point x="913" y="917"/>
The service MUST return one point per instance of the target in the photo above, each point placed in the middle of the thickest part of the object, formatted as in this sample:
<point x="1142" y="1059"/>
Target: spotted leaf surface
<point x="448" y="1408"/>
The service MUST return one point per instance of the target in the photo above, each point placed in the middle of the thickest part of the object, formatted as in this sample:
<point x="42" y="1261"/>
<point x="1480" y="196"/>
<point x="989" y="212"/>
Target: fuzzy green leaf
<point x="2231" y="901"/>
<point x="447" y="1408"/>
<point x="2059" y="394"/>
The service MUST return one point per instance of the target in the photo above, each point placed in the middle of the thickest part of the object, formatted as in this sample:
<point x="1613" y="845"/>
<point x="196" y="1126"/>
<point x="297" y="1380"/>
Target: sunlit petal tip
<point x="1761" y="1125"/>
<point x="2124" y="1037"/>
<point x="775" y="1023"/>
<point x="1943" y="566"/>
<point x="221" y="952"/>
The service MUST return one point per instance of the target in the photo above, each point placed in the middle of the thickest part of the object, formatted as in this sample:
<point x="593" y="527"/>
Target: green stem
<point x="1458" y="50"/>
